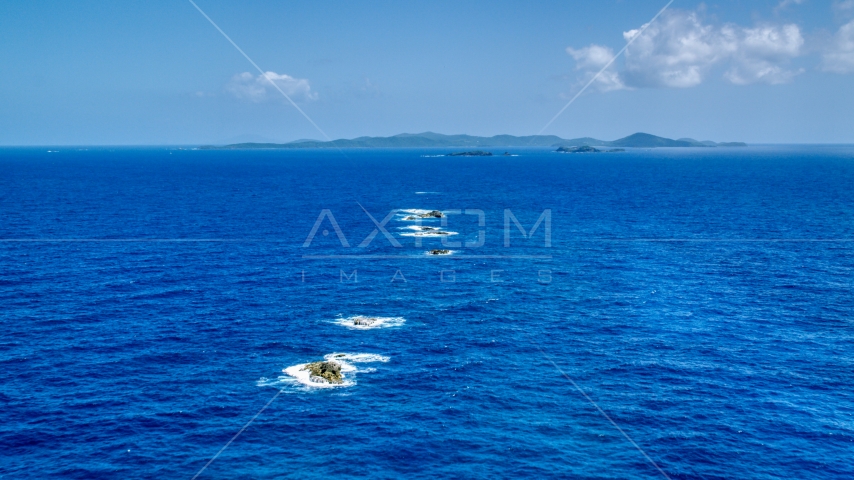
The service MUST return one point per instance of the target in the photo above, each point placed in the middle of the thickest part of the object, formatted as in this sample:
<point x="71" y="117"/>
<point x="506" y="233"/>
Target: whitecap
<point x="379" y="322"/>
<point x="357" y="358"/>
<point x="273" y="382"/>
<point x="427" y="193"/>
<point x="420" y="228"/>
<point x="430" y="233"/>
<point x="413" y="211"/>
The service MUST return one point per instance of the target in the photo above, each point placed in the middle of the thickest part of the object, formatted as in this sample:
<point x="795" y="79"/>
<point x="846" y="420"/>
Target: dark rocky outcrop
<point x="581" y="149"/>
<point x="364" y="321"/>
<point x="588" y="149"/>
<point x="440" y="252"/>
<point x="324" y="372"/>
<point x="430" y="214"/>
<point x="473" y="153"/>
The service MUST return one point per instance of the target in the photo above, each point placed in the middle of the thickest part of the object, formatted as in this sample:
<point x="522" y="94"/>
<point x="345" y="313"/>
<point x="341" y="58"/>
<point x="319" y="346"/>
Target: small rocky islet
<point x="430" y="214"/>
<point x="473" y="153"/>
<point x="587" y="149"/>
<point x="440" y="252"/>
<point x="325" y="372"/>
<point x="364" y="321"/>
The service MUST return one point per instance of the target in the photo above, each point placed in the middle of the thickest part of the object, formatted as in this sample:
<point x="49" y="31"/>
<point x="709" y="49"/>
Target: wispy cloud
<point x="366" y="89"/>
<point x="839" y="58"/>
<point x="259" y="89"/>
<point x="788" y="3"/>
<point x="843" y="7"/>
<point x="680" y="49"/>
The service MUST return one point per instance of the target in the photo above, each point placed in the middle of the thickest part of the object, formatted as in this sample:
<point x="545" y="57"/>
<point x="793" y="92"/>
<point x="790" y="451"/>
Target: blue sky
<point x="156" y="72"/>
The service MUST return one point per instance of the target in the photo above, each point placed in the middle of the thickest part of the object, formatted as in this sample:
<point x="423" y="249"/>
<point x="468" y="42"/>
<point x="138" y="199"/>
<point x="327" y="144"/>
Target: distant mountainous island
<point x="430" y="139"/>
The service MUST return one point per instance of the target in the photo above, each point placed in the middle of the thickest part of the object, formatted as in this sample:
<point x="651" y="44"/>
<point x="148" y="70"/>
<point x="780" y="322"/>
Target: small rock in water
<point x="474" y="153"/>
<point x="581" y="149"/>
<point x="429" y="228"/>
<point x="364" y="321"/>
<point x="432" y="214"/>
<point x="324" y="372"/>
<point x="440" y="252"/>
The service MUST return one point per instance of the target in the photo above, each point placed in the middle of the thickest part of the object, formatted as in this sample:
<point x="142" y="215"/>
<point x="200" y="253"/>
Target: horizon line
<point x="283" y="142"/>
<point x="266" y="141"/>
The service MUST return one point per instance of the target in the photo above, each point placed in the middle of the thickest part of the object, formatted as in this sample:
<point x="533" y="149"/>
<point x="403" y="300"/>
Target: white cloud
<point x="679" y="50"/>
<point x="593" y="59"/>
<point x="840" y="57"/>
<point x="763" y="52"/>
<point x="594" y="56"/>
<point x="258" y="88"/>
<point x="676" y="51"/>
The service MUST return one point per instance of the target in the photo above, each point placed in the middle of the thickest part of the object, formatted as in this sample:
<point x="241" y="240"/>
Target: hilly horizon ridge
<point x="432" y="139"/>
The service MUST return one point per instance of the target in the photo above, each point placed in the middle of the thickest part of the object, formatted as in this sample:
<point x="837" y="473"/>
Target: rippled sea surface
<point x="150" y="300"/>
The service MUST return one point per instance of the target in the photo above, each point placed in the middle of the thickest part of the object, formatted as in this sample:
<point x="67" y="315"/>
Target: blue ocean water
<point x="152" y="297"/>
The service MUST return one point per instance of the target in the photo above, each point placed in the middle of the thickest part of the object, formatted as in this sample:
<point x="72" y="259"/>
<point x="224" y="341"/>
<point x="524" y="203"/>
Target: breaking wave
<point x="426" y="231"/>
<point x="412" y="214"/>
<point x="413" y="211"/>
<point x="363" y="322"/>
<point x="430" y="233"/>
